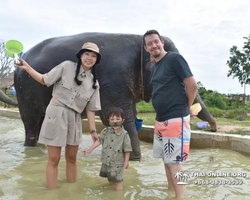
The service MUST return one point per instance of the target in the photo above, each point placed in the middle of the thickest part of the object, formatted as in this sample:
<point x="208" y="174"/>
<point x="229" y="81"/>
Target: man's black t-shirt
<point x="169" y="96"/>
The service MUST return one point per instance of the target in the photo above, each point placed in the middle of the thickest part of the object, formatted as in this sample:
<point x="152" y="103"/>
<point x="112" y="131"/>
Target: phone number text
<point x="218" y="182"/>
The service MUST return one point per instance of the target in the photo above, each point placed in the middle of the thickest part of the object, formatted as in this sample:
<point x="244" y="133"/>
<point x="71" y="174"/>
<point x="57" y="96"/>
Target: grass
<point x="143" y="107"/>
<point x="149" y="119"/>
<point x="222" y="118"/>
<point x="239" y="132"/>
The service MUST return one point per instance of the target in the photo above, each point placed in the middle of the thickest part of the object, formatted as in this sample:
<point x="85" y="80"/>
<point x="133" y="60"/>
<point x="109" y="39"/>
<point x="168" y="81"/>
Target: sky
<point x="203" y="31"/>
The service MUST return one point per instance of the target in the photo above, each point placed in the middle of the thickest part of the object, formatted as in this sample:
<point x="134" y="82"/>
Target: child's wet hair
<point x="115" y="111"/>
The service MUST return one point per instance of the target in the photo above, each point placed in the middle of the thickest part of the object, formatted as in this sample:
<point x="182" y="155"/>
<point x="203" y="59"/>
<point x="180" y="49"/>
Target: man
<point x="174" y="90"/>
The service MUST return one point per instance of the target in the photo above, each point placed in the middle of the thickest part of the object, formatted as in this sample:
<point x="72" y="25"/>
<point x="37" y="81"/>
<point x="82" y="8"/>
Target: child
<point x="116" y="148"/>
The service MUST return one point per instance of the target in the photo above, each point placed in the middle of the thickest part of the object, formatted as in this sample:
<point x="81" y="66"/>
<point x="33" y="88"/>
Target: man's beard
<point x="156" y="55"/>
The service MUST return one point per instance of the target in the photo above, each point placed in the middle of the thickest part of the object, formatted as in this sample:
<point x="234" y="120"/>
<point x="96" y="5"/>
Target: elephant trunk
<point x="205" y="115"/>
<point x="6" y="99"/>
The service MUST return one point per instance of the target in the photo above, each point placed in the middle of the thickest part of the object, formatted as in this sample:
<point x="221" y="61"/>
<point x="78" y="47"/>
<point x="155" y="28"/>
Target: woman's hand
<point x="36" y="75"/>
<point x="95" y="137"/>
<point x="24" y="66"/>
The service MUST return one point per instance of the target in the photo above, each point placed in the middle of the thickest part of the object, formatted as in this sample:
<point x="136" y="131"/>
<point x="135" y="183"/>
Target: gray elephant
<point x="123" y="76"/>
<point x="6" y="99"/>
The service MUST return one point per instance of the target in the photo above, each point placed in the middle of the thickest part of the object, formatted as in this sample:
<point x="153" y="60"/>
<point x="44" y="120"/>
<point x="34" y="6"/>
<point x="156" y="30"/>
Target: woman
<point x="75" y="89"/>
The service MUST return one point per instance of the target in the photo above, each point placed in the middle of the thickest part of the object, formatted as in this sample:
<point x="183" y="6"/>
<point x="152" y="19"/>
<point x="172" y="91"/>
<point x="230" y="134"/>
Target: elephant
<point x="7" y="99"/>
<point x="123" y="75"/>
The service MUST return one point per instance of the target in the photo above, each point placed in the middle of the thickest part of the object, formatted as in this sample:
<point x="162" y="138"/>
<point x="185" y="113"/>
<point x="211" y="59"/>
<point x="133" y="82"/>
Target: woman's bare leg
<point x="54" y="155"/>
<point x="71" y="165"/>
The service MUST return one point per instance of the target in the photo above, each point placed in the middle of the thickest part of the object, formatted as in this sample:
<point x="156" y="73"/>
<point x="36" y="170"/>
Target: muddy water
<point x="22" y="173"/>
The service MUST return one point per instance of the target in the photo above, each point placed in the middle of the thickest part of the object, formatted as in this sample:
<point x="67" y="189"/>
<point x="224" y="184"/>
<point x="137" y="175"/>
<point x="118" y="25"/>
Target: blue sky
<point x="203" y="31"/>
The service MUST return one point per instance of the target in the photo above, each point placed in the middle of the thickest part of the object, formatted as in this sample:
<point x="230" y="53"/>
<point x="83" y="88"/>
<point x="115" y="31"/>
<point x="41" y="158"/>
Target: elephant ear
<point x="169" y="45"/>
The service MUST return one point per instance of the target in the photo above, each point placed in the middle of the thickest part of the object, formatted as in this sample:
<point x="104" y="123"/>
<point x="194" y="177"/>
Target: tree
<point x="239" y="64"/>
<point x="6" y="62"/>
<point x="215" y="100"/>
<point x="202" y="90"/>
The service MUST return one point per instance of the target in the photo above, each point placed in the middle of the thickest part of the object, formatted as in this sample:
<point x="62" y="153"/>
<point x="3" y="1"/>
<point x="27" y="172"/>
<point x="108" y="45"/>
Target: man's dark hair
<point x="116" y="111"/>
<point x="149" y="33"/>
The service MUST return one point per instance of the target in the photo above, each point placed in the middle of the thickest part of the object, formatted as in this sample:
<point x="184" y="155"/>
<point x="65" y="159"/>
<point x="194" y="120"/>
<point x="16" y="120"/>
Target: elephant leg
<point x="32" y="114"/>
<point x="32" y="129"/>
<point x="205" y="115"/>
<point x="32" y="119"/>
<point x="129" y="125"/>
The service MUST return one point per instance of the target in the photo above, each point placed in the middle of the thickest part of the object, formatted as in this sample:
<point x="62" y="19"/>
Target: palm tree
<point x="185" y="177"/>
<point x="178" y="175"/>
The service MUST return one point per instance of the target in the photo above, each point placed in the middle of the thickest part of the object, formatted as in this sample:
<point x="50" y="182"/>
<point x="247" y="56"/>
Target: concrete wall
<point x="199" y="139"/>
<point x="9" y="113"/>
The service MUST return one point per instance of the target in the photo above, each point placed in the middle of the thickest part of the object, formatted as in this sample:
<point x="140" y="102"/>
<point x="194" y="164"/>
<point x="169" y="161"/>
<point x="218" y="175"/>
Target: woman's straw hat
<point x="92" y="47"/>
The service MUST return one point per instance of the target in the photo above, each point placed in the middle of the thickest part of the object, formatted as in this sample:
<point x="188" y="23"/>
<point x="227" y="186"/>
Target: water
<point x="22" y="173"/>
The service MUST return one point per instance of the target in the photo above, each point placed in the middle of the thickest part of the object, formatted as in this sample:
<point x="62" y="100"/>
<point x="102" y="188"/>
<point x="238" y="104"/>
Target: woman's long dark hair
<point x="94" y="76"/>
<point x="79" y="63"/>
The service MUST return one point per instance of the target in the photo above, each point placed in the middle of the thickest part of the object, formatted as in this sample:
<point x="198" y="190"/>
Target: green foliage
<point x="239" y="132"/>
<point x="234" y="103"/>
<point x="219" y="105"/>
<point x="216" y="112"/>
<point x="235" y="114"/>
<point x="142" y="106"/>
<point x="239" y="62"/>
<point x="148" y="118"/>
<point x="215" y="100"/>
<point x="202" y="90"/>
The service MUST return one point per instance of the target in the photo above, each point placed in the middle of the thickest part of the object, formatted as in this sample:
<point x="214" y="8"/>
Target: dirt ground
<point x="233" y="128"/>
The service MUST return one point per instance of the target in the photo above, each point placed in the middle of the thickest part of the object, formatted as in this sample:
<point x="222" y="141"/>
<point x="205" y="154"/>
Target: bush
<point x="216" y="112"/>
<point x="215" y="100"/>
<point x="235" y="114"/>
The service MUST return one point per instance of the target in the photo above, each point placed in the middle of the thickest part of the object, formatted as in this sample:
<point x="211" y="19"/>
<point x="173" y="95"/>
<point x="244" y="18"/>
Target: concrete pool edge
<point x="199" y="139"/>
<point x="9" y="113"/>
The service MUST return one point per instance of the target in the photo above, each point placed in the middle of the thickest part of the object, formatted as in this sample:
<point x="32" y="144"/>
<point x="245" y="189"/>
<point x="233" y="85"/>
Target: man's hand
<point x="191" y="112"/>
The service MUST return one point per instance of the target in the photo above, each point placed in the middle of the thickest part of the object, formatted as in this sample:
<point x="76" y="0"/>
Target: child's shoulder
<point x="124" y="132"/>
<point x="106" y="129"/>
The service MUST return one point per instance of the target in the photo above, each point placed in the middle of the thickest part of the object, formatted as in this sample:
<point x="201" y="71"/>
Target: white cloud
<point x="203" y="31"/>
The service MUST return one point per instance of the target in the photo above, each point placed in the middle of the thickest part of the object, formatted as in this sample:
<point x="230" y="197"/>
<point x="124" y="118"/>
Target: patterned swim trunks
<point x="172" y="139"/>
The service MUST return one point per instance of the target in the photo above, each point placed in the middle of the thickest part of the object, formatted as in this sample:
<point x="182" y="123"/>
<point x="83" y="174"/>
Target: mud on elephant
<point x="123" y="75"/>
